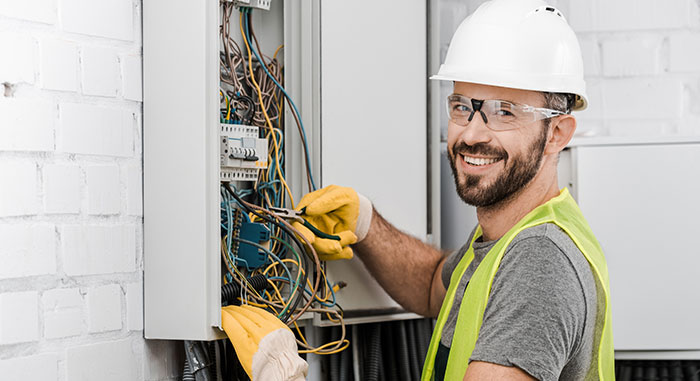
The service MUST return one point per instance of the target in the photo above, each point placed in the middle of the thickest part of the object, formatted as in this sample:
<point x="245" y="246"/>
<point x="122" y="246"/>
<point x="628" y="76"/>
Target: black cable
<point x="625" y="373"/>
<point x="374" y="354"/>
<point x="334" y="359"/>
<point x="402" y="351"/>
<point x="231" y="291"/>
<point x="391" y="370"/>
<point x="413" y="350"/>
<point x="691" y="372"/>
<point x="676" y="373"/>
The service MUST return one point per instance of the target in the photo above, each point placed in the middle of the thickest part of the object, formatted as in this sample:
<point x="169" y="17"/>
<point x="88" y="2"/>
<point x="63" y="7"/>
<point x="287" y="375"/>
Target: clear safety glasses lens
<point x="498" y="115"/>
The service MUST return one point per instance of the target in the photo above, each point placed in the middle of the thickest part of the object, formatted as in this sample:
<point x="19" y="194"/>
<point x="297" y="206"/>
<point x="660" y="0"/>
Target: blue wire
<point x="303" y="131"/>
<point x="268" y="252"/>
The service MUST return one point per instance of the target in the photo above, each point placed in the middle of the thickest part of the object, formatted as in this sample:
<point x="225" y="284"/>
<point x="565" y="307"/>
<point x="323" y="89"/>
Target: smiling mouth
<point x="479" y="161"/>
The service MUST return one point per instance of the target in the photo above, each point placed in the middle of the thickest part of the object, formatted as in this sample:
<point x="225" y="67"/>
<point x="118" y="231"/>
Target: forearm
<point x="403" y="265"/>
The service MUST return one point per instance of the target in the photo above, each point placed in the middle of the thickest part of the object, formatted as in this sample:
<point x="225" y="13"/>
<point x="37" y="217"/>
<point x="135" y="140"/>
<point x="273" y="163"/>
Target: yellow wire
<point x="262" y="106"/>
<point x="326" y="345"/>
<point x="274" y="56"/>
<point x="301" y="335"/>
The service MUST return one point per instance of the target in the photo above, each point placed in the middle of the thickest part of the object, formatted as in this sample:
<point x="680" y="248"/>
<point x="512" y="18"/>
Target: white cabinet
<point x="642" y="200"/>
<point x="374" y="134"/>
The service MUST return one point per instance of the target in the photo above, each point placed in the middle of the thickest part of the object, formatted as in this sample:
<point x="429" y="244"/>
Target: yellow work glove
<point x="265" y="346"/>
<point x="338" y="211"/>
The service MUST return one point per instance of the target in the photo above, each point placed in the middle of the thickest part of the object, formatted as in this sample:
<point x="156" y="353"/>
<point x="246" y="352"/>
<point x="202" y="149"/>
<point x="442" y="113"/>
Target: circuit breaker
<point x="242" y="152"/>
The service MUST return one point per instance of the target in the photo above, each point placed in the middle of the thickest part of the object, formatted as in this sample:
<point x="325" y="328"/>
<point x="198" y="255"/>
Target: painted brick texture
<point x="71" y="283"/>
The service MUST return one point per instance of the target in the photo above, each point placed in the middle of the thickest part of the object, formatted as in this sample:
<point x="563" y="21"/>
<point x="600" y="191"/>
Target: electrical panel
<point x="254" y="132"/>
<point x="242" y="152"/>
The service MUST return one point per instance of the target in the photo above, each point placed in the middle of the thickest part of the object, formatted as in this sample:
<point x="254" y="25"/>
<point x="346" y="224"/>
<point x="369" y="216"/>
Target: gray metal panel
<point x="374" y="122"/>
<point x="642" y="203"/>
<point x="302" y="83"/>
<point x="181" y="199"/>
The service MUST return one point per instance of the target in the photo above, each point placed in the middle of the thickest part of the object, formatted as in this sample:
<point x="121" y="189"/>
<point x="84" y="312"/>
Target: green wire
<point x="296" y="284"/>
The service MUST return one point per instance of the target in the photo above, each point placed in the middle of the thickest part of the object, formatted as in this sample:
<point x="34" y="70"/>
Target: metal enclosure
<point x="641" y="200"/>
<point x="373" y="124"/>
<point x="344" y="76"/>
<point x="181" y="184"/>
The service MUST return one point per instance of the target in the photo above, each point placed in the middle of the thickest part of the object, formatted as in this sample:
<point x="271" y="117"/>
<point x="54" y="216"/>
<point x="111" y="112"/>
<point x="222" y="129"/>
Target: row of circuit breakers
<point x="242" y="152"/>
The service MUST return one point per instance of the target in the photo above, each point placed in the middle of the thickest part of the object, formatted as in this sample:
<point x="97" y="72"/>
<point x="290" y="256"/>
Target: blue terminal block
<point x="253" y="232"/>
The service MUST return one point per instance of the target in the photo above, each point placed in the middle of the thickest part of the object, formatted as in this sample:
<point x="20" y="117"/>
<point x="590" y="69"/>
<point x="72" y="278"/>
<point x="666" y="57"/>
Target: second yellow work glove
<point x="265" y="346"/>
<point x="338" y="211"/>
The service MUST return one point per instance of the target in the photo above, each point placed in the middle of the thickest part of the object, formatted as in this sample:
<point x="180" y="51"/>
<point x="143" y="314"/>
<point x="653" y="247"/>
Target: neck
<point x="497" y="219"/>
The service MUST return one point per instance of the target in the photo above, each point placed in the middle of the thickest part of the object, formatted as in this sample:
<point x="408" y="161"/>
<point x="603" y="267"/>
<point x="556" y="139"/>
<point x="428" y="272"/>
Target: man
<point x="527" y="296"/>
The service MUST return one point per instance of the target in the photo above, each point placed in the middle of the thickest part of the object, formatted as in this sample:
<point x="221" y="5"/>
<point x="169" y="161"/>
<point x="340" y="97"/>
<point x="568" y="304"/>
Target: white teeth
<point x="478" y="160"/>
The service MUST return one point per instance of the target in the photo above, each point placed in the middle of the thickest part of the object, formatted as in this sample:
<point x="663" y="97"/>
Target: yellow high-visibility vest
<point x="565" y="213"/>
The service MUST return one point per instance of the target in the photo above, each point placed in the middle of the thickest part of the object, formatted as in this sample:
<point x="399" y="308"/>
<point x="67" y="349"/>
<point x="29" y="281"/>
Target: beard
<point x="518" y="171"/>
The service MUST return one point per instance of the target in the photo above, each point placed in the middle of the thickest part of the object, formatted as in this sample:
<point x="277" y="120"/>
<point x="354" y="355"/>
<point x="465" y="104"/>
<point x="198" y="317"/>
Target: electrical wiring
<point x="267" y="215"/>
<point x="252" y="93"/>
<point x="297" y="115"/>
<point x="267" y="118"/>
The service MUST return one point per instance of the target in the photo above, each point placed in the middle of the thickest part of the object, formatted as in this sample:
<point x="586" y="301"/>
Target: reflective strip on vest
<point x="565" y="213"/>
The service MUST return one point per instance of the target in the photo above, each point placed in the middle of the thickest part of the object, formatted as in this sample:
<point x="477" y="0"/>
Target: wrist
<point x="364" y="217"/>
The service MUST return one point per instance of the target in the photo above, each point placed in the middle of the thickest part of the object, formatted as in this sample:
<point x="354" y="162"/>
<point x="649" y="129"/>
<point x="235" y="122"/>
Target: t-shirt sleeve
<point x="536" y="312"/>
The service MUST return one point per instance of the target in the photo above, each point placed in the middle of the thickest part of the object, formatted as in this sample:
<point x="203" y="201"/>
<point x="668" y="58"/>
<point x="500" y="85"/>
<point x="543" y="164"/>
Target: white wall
<point x="70" y="194"/>
<point x="641" y="57"/>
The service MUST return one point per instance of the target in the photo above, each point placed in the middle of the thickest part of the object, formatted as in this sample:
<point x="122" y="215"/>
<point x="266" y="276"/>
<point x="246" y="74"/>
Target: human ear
<point x="561" y="131"/>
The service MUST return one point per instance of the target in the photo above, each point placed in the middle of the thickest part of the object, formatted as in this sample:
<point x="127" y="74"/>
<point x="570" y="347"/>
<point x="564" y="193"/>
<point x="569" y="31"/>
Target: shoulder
<point x="546" y="252"/>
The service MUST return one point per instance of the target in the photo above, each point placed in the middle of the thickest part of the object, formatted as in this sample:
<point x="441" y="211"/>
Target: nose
<point x="474" y="132"/>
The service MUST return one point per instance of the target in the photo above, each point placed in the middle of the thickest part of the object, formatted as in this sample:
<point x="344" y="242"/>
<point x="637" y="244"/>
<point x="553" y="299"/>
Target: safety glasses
<point x="498" y="115"/>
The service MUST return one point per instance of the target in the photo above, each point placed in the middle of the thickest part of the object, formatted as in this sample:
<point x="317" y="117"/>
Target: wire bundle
<point x="252" y="93"/>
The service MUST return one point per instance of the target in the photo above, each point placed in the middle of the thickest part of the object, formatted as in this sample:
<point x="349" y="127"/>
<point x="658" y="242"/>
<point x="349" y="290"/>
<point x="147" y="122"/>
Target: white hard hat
<point x="521" y="44"/>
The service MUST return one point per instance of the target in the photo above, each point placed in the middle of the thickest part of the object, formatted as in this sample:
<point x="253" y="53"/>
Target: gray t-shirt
<point x="541" y="312"/>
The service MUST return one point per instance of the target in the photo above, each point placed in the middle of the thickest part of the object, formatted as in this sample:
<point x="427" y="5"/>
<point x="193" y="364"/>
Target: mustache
<point x="478" y="149"/>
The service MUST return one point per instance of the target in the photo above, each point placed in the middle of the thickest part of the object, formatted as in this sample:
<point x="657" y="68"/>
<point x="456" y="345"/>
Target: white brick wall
<point x="104" y="308"/>
<point x="26" y="125"/>
<point x="641" y="60"/>
<point x="100" y="71"/>
<point x="103" y="189"/>
<point x="58" y="66"/>
<point x="18" y="193"/>
<point x="62" y="188"/>
<point x="71" y="201"/>
<point x="87" y="362"/>
<point x="27" y="249"/>
<point x="41" y="367"/>
<point x="19" y="317"/>
<point x="21" y="68"/>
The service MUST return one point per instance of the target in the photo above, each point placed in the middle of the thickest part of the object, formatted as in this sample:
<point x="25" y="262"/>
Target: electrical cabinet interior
<point x="343" y="76"/>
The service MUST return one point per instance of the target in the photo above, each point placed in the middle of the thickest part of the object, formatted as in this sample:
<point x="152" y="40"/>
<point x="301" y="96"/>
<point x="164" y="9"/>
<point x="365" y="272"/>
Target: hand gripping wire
<point x="476" y="106"/>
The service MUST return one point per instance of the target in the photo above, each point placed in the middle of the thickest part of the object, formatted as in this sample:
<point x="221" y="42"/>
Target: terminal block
<point x="242" y="152"/>
<point x="259" y="4"/>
